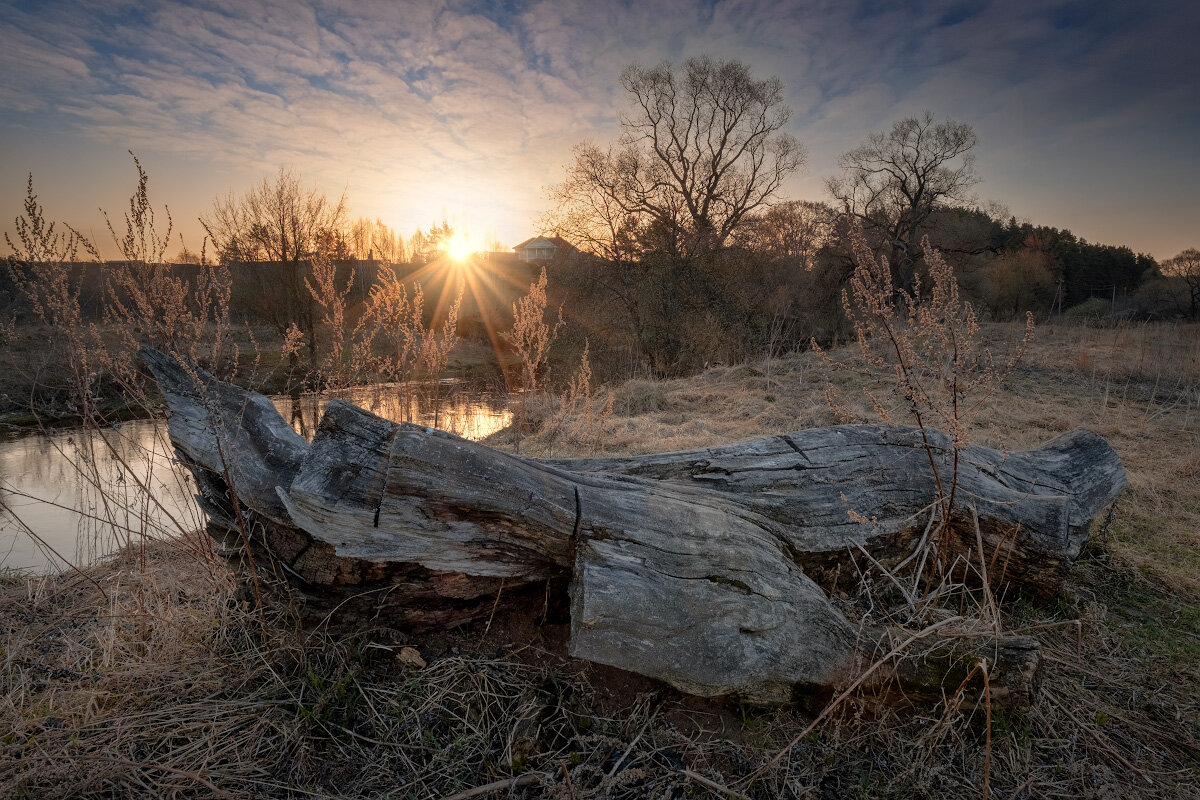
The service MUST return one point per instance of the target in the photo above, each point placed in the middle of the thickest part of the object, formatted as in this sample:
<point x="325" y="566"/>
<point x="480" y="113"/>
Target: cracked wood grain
<point x="709" y="569"/>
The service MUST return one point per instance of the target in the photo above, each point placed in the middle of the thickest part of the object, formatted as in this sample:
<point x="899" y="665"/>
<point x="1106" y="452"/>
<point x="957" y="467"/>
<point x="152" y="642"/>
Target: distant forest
<point x="779" y="284"/>
<point x="680" y="248"/>
<point x="771" y="288"/>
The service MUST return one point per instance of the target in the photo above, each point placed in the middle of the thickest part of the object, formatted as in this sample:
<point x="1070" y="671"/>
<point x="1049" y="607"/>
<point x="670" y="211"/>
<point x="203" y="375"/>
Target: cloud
<point x="418" y="102"/>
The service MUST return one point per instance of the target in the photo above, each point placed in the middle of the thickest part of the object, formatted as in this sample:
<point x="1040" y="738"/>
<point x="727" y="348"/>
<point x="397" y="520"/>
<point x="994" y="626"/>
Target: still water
<point x="73" y="496"/>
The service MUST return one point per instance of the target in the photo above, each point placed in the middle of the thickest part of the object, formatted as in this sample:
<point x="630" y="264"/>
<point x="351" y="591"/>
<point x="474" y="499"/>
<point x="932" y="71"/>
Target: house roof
<point x="557" y="241"/>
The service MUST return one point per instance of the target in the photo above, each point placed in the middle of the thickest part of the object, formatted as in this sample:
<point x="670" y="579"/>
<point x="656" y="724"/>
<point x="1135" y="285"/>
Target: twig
<point x="987" y="742"/>
<point x="494" y="786"/>
<point x="711" y="784"/>
<point x="983" y="575"/>
<point x="923" y="546"/>
<point x="1028" y="782"/>
<point x="825" y="712"/>
<point x="567" y="779"/>
<point x="932" y="509"/>
<point x="895" y="582"/>
<point x="43" y="543"/>
<point x="492" y="615"/>
<point x="632" y="745"/>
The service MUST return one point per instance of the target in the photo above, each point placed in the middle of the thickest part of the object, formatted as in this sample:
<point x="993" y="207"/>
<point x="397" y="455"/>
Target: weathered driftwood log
<point x="695" y="568"/>
<point x="1034" y="507"/>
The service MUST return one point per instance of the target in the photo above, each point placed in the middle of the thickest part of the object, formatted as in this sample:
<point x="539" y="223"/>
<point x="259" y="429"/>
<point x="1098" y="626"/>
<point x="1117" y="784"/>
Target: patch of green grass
<point x="1152" y="624"/>
<point x="1012" y="723"/>
<point x="1148" y="541"/>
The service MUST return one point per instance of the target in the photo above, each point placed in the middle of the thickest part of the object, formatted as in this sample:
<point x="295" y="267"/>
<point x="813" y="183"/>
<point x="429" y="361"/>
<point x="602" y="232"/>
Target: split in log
<point x="707" y="569"/>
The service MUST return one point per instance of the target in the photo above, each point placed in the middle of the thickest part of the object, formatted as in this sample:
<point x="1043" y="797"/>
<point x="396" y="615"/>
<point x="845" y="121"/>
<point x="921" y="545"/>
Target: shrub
<point x="1093" y="308"/>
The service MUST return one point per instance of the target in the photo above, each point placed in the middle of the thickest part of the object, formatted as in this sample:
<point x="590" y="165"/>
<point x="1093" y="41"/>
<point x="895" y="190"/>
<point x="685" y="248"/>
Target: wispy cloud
<point x="421" y="105"/>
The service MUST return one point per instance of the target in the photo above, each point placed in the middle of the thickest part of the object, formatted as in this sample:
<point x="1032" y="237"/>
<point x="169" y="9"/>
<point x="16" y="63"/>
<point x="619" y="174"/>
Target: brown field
<point x="151" y="675"/>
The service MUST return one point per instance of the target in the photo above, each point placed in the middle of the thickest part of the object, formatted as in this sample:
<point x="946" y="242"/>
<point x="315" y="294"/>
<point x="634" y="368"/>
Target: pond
<point x="74" y="496"/>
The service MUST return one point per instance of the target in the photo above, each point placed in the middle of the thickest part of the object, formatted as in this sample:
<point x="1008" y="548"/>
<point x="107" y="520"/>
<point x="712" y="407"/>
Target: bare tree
<point x="386" y="245"/>
<point x="893" y="182"/>
<point x="594" y="208"/>
<point x="359" y="238"/>
<point x="1017" y="281"/>
<point x="278" y="220"/>
<point x="425" y="246"/>
<point x="704" y="147"/>
<point x="703" y="150"/>
<point x="797" y="229"/>
<point x="1186" y="265"/>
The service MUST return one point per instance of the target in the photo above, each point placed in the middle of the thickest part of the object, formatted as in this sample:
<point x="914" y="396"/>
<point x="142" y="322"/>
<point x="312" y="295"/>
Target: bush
<point x="1093" y="308"/>
<point x="640" y="397"/>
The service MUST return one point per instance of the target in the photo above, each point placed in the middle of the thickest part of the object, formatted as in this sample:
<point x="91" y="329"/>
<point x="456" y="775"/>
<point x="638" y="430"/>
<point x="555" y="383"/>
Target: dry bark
<point x="707" y="569"/>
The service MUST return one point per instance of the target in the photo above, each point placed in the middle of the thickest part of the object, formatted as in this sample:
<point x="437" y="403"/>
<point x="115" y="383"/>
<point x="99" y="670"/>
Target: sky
<point x="1087" y="113"/>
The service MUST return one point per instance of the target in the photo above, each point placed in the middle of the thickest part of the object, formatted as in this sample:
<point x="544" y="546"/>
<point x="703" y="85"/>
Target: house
<point x="542" y="249"/>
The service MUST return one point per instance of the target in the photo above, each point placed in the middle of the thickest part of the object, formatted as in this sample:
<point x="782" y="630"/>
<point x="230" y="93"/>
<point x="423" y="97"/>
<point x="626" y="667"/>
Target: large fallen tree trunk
<point x="707" y="569"/>
<point x="1034" y="507"/>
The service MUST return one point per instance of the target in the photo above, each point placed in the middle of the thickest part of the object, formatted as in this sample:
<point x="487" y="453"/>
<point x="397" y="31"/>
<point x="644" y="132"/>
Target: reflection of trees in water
<point x="463" y="410"/>
<point x="87" y="492"/>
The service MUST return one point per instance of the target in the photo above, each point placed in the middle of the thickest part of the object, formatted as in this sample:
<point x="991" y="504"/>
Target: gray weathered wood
<point x="696" y="568"/>
<point x="1035" y="507"/>
<point x="231" y="435"/>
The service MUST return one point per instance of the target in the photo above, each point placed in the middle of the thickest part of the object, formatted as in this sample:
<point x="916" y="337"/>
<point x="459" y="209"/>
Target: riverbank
<point x="156" y="673"/>
<point x="34" y="393"/>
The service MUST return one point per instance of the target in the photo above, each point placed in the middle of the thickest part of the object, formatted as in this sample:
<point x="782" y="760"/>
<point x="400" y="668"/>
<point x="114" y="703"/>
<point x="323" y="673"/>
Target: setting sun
<point x="458" y="247"/>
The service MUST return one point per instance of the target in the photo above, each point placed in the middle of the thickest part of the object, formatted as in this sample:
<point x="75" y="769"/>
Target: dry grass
<point x="170" y="686"/>
<point x="1139" y="386"/>
<point x="1121" y="695"/>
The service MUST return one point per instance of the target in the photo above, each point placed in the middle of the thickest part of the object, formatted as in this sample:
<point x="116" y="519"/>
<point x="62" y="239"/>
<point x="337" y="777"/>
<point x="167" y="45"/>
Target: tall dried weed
<point x="531" y="335"/>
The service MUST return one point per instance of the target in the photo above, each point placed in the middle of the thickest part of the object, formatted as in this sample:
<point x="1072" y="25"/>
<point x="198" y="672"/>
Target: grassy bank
<point x="34" y="392"/>
<point x="153" y="675"/>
